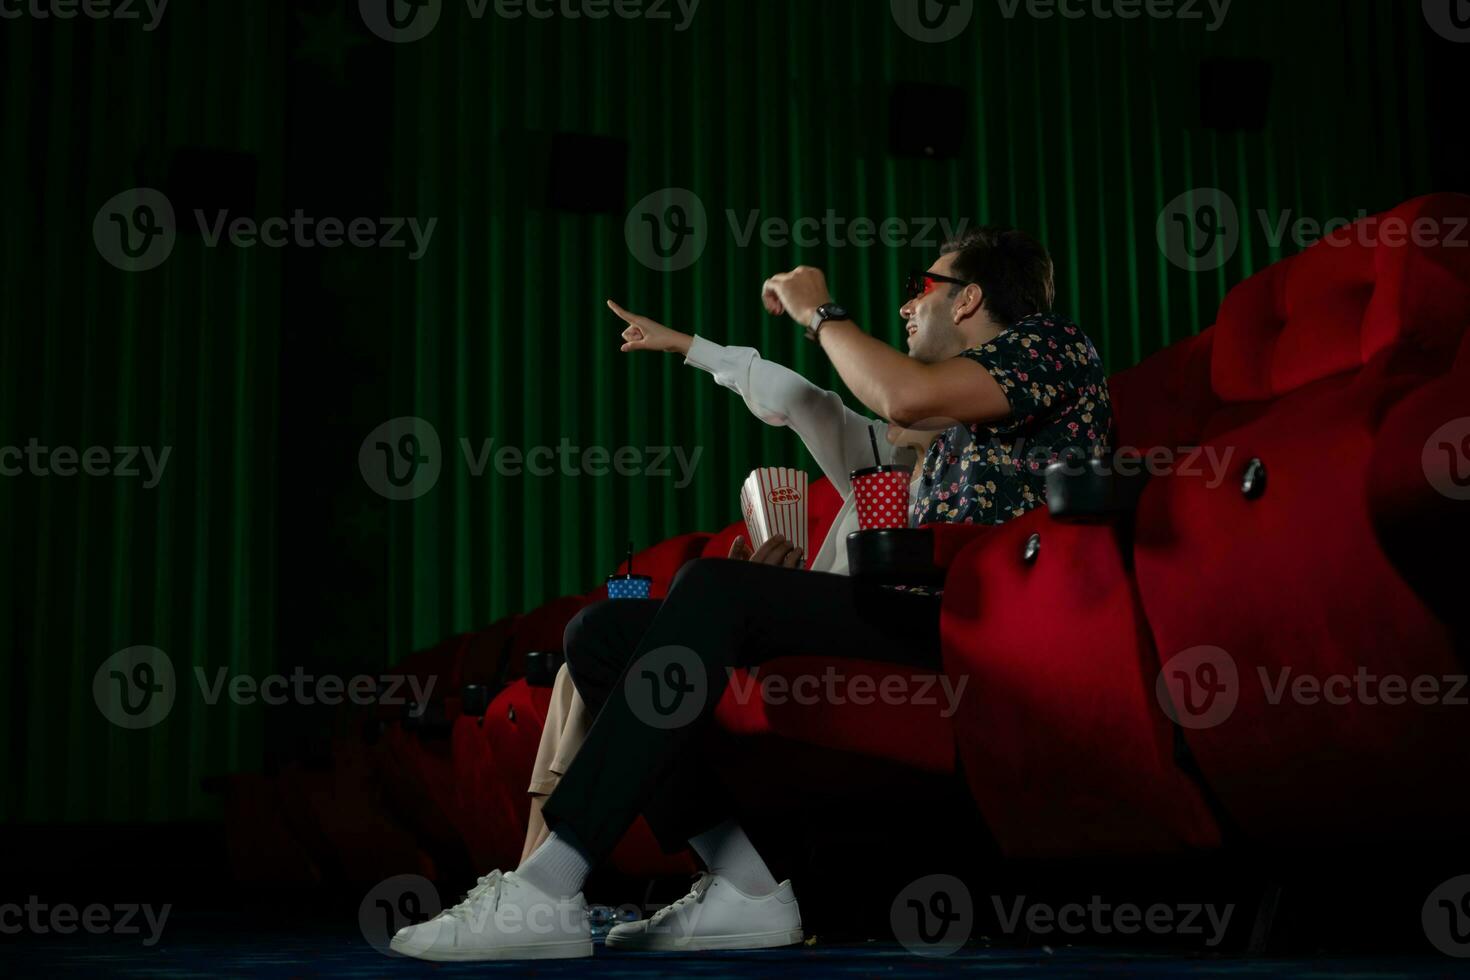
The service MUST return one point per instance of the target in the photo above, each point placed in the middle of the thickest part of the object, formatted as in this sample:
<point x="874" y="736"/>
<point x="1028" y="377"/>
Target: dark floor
<point x="339" y="955"/>
<point x="1332" y="917"/>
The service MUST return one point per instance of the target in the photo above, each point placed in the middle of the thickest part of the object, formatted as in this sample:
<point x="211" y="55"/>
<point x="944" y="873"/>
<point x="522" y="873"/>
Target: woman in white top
<point x="836" y="436"/>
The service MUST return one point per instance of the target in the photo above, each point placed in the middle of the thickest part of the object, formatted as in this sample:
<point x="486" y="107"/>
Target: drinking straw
<point x="630" y="557"/>
<point x="873" y="438"/>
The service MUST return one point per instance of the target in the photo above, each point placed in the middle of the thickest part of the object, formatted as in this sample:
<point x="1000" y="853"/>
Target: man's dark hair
<point x="1013" y="270"/>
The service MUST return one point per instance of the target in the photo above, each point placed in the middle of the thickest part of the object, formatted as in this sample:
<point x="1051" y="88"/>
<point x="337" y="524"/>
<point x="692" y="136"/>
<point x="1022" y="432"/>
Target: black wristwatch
<point x="825" y="312"/>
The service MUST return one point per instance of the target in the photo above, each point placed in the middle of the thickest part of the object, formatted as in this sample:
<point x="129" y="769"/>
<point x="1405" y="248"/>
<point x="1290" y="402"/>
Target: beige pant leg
<point x="566" y="727"/>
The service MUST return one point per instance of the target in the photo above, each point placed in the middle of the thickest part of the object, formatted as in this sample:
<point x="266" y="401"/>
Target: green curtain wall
<point x="182" y="357"/>
<point x="1080" y="131"/>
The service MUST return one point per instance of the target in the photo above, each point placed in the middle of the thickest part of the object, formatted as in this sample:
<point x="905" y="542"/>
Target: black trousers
<point x="653" y="671"/>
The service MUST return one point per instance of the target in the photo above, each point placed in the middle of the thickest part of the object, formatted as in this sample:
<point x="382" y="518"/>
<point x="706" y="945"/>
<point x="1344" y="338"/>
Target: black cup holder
<point x="541" y="667"/>
<point x="893" y="556"/>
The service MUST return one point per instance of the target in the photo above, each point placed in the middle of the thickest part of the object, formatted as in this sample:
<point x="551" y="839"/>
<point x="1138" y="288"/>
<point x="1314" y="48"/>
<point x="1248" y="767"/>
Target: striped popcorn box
<point x="773" y="499"/>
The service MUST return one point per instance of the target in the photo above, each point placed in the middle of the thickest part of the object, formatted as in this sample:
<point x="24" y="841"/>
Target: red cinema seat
<point x="793" y="699"/>
<point x="1064" y="747"/>
<point x="823" y="503"/>
<point x="1270" y="594"/>
<point x="718" y="545"/>
<point x="344" y="818"/>
<point x="1418" y="485"/>
<point x="412" y="754"/>
<point x="494" y="757"/>
<point x="442" y="671"/>
<point x="541" y="630"/>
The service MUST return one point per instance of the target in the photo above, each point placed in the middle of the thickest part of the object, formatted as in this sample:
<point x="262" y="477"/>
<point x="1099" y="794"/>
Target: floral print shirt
<point x="990" y="472"/>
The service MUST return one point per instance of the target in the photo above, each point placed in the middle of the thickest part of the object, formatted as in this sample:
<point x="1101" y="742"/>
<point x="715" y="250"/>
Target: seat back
<point x="1063" y="747"/>
<point x="1264" y="580"/>
<point x="1164" y="401"/>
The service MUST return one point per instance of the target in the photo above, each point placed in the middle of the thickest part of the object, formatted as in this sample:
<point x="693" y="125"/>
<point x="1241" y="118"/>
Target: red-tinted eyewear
<point x="922" y="283"/>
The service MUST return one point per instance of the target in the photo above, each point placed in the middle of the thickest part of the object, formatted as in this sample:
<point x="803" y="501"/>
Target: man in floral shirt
<point x="1008" y="385"/>
<point x="996" y="386"/>
<point x="989" y="472"/>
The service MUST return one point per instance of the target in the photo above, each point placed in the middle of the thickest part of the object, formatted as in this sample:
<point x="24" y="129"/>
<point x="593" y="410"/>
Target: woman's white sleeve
<point x="836" y="436"/>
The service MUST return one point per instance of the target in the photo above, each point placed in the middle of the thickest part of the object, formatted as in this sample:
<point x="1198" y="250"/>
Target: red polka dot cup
<point x="882" y="494"/>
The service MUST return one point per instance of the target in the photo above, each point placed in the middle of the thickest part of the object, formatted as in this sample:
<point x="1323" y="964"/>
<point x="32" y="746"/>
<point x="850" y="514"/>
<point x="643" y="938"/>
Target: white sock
<point x="727" y="852"/>
<point x="558" y="867"/>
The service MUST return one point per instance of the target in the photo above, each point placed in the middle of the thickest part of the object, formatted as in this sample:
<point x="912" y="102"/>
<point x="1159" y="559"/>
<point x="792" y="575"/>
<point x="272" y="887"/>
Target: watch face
<point x="833" y="312"/>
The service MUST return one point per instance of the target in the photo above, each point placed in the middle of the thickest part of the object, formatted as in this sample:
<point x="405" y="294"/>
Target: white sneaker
<point x="503" y="917"/>
<point x="715" y="915"/>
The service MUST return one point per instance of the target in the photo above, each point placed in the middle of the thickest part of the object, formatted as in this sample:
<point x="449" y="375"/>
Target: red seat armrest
<point x="951" y="539"/>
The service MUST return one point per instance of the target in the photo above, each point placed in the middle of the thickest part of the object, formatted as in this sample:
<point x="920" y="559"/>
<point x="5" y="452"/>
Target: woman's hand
<point x="646" y="334"/>
<point x="776" y="551"/>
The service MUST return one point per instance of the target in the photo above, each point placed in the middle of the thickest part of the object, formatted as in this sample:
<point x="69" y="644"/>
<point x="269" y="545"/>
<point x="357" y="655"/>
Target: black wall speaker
<point x="586" y="174"/>
<point x="1234" y="94"/>
<point x="919" y="120"/>
<point x="210" y="179"/>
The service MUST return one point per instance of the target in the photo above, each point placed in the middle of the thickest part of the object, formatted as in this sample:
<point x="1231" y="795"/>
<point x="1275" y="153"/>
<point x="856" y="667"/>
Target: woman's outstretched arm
<point x="836" y="436"/>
